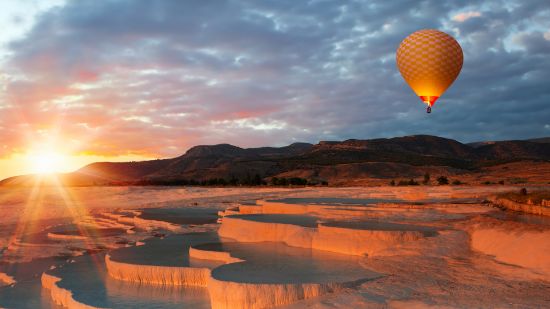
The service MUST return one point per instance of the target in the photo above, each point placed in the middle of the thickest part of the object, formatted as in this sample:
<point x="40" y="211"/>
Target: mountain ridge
<point x="331" y="161"/>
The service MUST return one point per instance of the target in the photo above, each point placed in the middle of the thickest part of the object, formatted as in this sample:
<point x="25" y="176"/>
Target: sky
<point x="82" y="81"/>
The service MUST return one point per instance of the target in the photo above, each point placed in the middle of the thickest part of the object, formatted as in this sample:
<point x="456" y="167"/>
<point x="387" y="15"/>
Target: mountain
<point x="338" y="162"/>
<point x="540" y="140"/>
<point x="227" y="161"/>
<point x="544" y="140"/>
<point x="509" y="150"/>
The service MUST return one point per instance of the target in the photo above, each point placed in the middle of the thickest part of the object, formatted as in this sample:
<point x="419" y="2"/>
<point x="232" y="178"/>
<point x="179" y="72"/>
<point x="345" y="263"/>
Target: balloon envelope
<point x="429" y="60"/>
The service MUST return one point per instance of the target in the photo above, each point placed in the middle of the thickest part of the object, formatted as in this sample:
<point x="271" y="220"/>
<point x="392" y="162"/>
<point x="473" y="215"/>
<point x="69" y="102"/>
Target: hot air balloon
<point x="429" y="60"/>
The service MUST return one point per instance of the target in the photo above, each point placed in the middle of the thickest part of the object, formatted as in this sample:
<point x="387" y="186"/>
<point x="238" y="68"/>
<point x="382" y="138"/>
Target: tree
<point x="257" y="180"/>
<point x="523" y="191"/>
<point x="426" y="178"/>
<point x="297" y="181"/>
<point x="403" y="183"/>
<point x="392" y="182"/>
<point x="233" y="181"/>
<point x="442" y="180"/>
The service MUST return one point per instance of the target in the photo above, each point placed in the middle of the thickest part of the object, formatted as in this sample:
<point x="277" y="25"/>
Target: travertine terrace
<point x="349" y="247"/>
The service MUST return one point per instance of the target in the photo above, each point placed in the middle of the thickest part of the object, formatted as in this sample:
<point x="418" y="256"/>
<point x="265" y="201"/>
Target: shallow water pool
<point x="90" y="284"/>
<point x="275" y="262"/>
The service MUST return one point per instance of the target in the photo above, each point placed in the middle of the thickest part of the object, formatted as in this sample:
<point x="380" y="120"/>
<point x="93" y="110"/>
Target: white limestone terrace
<point x="172" y="250"/>
<point x="175" y="220"/>
<point x="259" y="274"/>
<point x="425" y="233"/>
<point x="159" y="272"/>
<point x="274" y="274"/>
<point x="60" y="244"/>
<point x="363" y="238"/>
<point x="105" y="230"/>
<point x="66" y="240"/>
<point x="351" y="209"/>
<point x="280" y="273"/>
<point x="348" y="201"/>
<point x="86" y="284"/>
<point x="327" y="252"/>
<point x="264" y="274"/>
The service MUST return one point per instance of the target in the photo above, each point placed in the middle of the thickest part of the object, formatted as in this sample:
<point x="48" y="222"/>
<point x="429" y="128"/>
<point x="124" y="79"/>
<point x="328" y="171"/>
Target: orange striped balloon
<point x="429" y="60"/>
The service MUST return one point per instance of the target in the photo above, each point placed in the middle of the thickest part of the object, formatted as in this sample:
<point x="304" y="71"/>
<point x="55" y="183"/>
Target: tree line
<point x="248" y="180"/>
<point x="441" y="180"/>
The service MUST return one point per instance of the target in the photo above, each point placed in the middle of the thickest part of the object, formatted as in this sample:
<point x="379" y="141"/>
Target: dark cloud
<point x="155" y="77"/>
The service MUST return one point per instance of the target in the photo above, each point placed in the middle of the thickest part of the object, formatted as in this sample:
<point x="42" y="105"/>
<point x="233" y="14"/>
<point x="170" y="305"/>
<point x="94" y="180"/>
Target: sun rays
<point x="48" y="197"/>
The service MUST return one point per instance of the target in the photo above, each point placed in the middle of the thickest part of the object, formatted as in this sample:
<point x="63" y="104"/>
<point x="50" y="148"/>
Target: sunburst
<point x="46" y="162"/>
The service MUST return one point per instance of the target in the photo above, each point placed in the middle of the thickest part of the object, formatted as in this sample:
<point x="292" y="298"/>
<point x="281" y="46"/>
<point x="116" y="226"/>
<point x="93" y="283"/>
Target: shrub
<point x="523" y="191"/>
<point x="457" y="182"/>
<point x="442" y="180"/>
<point x="392" y="183"/>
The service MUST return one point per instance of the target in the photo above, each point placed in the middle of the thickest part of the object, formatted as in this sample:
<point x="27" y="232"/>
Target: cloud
<point x="156" y="77"/>
<point x="462" y="17"/>
<point x="533" y="42"/>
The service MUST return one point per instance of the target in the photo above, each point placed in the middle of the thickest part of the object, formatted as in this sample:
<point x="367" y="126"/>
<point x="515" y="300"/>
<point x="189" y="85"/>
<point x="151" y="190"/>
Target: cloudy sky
<point x="119" y="80"/>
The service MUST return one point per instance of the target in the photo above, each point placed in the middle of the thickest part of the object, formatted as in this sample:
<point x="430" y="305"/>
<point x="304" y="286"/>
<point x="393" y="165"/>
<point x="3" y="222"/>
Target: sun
<point x="46" y="162"/>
